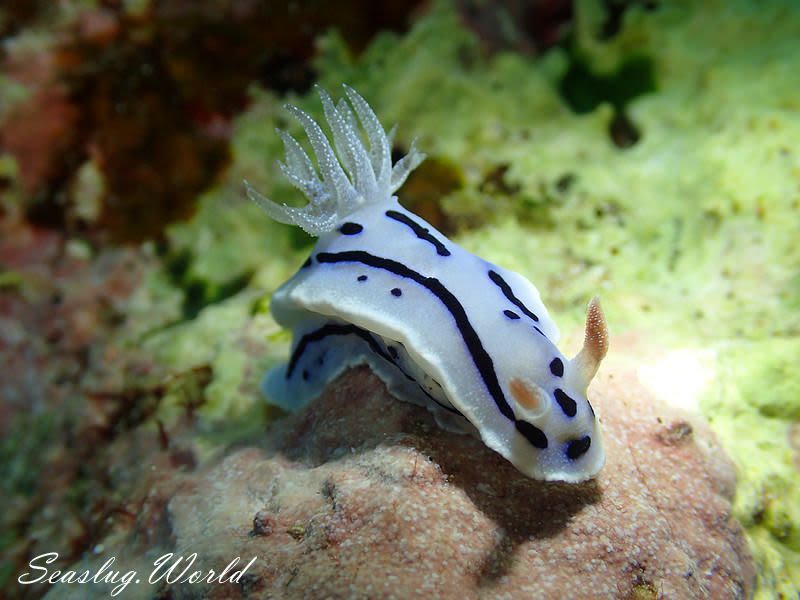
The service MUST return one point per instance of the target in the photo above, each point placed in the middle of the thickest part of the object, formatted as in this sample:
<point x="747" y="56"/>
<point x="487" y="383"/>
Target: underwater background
<point x="646" y="151"/>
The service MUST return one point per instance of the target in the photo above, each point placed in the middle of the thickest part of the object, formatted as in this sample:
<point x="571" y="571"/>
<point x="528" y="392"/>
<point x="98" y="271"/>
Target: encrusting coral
<point x="380" y="502"/>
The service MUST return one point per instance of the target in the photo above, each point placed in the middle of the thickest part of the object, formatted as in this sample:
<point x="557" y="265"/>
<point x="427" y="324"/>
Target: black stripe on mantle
<point x="498" y="280"/>
<point x="480" y="357"/>
<point x="421" y="232"/>
<point x="330" y="329"/>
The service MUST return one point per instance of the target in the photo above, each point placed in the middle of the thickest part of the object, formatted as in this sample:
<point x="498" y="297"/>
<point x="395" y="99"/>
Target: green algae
<point x="752" y="411"/>
<point x="688" y="234"/>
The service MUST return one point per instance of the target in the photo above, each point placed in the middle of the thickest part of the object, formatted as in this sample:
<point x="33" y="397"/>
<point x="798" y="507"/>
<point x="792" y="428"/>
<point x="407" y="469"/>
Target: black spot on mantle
<point x="557" y="367"/>
<point x="351" y="228"/>
<point x="566" y="403"/>
<point x="533" y="434"/>
<point x="577" y="448"/>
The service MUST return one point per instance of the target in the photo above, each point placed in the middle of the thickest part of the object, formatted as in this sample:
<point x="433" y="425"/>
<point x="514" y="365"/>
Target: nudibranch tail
<point x="350" y="172"/>
<point x="595" y="343"/>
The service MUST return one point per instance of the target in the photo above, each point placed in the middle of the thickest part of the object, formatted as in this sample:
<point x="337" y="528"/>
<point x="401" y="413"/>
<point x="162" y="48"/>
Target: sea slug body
<point x="442" y="328"/>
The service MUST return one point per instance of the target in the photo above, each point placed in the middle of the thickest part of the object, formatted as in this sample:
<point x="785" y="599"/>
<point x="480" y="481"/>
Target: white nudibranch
<point x="441" y="327"/>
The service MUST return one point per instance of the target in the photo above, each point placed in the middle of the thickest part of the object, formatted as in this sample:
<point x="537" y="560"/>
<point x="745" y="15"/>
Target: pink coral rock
<point x="363" y="496"/>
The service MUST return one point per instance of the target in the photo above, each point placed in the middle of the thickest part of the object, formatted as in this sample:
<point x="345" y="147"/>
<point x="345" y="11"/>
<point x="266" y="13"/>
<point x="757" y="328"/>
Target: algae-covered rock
<point x="651" y="159"/>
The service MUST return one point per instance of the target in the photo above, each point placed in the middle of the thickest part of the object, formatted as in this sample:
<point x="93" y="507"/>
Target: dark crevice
<point x="199" y="294"/>
<point x="584" y="90"/>
<point x="623" y="131"/>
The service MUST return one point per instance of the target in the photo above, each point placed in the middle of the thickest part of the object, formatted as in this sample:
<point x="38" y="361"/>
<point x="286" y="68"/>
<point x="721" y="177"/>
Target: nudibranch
<point x="468" y="340"/>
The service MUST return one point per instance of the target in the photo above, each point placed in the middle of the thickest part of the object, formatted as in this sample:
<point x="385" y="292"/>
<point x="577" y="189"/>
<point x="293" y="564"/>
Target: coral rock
<point x="361" y="495"/>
